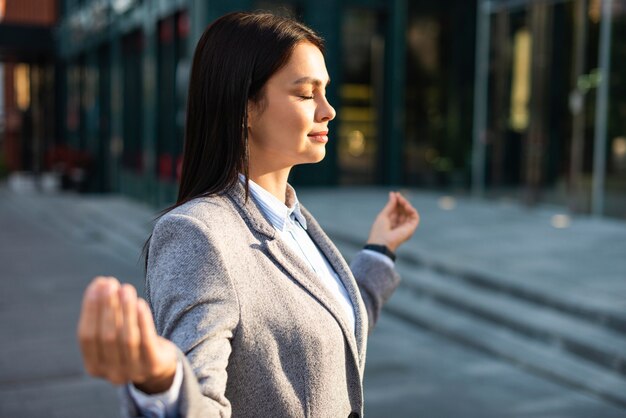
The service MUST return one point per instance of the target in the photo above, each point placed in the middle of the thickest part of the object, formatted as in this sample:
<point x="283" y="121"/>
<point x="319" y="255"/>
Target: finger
<point x="88" y="327"/>
<point x="405" y="203"/>
<point x="148" y="335"/>
<point x="410" y="211"/>
<point x="413" y="213"/>
<point x="394" y="218"/>
<point x="400" y="207"/>
<point x="391" y="204"/>
<point x="130" y="338"/>
<point x="402" y="216"/>
<point x="410" y="225"/>
<point x="110" y="322"/>
<point x="410" y="219"/>
<point x="159" y="355"/>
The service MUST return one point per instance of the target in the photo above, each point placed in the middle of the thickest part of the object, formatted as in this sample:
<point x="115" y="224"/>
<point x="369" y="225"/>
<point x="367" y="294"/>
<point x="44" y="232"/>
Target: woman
<point x="256" y="314"/>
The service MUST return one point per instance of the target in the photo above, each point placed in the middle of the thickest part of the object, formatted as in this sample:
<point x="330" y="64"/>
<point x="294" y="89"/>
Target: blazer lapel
<point x="342" y="269"/>
<point x="285" y="257"/>
<point x="307" y="278"/>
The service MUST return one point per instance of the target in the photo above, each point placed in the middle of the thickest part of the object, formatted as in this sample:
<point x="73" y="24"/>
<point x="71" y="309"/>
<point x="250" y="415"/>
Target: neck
<point x="274" y="182"/>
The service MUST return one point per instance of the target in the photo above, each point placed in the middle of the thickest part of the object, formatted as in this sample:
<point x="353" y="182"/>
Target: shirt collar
<point x="274" y="210"/>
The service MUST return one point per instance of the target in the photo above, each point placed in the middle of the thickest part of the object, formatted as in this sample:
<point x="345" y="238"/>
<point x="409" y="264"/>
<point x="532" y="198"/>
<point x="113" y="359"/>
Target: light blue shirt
<point x="290" y="224"/>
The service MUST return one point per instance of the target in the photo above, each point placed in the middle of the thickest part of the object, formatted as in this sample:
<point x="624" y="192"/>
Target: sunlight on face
<point x="290" y="125"/>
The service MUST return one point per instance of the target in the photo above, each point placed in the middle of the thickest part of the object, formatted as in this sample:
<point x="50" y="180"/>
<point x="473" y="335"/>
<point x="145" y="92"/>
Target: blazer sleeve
<point x="194" y="305"/>
<point x="376" y="280"/>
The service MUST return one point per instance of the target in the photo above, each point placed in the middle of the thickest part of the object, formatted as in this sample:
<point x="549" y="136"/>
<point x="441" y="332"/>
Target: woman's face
<point x="289" y="125"/>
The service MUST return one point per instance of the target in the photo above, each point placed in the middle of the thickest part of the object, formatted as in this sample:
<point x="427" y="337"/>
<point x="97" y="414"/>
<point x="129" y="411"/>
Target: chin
<point x="312" y="156"/>
<point x="320" y="156"/>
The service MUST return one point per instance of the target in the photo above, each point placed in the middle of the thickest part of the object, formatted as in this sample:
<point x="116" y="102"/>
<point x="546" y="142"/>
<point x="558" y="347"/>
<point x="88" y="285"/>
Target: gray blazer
<point x="259" y="335"/>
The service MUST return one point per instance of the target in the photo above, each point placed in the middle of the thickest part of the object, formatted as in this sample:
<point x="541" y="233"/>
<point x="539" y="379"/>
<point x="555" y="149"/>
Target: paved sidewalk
<point x="51" y="246"/>
<point x="42" y="277"/>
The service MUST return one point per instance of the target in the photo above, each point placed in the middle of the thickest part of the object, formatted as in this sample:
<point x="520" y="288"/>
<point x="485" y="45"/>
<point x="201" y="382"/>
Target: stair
<point x="116" y="225"/>
<point x="572" y="349"/>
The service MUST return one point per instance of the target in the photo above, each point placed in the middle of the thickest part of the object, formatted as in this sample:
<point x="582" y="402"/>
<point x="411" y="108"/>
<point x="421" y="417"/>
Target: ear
<point x="251" y="109"/>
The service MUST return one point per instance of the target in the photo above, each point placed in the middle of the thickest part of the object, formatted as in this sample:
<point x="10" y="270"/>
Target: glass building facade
<point x="515" y="99"/>
<point x="551" y="104"/>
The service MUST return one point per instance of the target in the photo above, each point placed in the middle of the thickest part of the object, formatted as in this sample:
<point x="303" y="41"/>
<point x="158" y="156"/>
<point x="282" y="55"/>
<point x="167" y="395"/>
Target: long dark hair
<point x="233" y="60"/>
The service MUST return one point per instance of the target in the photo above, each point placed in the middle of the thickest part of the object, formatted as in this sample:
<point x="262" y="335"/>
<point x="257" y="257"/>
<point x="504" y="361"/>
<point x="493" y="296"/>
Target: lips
<point x="321" y="136"/>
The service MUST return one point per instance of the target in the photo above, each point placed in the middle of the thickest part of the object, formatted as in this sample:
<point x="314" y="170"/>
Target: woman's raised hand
<point x="118" y="339"/>
<point x="395" y="223"/>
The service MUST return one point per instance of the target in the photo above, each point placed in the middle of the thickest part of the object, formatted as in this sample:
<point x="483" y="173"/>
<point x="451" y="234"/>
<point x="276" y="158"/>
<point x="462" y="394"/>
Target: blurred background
<point x="503" y="121"/>
<point x="498" y="98"/>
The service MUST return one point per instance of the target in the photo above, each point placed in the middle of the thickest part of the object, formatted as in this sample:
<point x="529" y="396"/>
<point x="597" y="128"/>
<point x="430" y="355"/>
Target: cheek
<point x="293" y="116"/>
<point x="285" y="124"/>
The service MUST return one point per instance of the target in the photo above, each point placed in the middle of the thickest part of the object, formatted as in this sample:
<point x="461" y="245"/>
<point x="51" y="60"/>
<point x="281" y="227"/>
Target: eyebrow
<point x="310" y="80"/>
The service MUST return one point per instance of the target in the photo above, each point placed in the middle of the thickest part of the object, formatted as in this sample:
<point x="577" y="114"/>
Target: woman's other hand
<point x="395" y="224"/>
<point x="118" y="339"/>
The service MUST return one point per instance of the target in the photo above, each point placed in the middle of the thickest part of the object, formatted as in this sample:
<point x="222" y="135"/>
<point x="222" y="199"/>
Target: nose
<point x="325" y="112"/>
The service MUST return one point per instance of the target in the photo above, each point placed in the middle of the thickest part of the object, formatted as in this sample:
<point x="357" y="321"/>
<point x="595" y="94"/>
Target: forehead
<point x="305" y="66"/>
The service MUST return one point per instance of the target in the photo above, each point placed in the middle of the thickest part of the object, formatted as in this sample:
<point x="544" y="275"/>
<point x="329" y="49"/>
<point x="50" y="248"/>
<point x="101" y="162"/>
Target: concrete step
<point x="548" y="360"/>
<point x="118" y="226"/>
<point x="565" y="348"/>
<point x="588" y="340"/>
<point x="492" y="281"/>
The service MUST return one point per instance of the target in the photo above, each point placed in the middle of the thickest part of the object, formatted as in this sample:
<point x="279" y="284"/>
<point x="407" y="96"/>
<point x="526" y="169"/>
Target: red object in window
<point x="166" y="30"/>
<point x="165" y="166"/>
<point x="183" y="24"/>
<point x="179" y="167"/>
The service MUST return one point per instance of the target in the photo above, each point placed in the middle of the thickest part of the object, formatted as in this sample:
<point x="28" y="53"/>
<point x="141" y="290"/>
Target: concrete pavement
<point x="44" y="272"/>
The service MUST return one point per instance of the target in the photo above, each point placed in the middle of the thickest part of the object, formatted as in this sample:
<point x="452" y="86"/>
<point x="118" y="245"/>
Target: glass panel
<point x="104" y="119"/>
<point x="72" y="123"/>
<point x="360" y="94"/>
<point x="166" y="104"/>
<point x="183" y="65"/>
<point x="439" y="94"/>
<point x="173" y="79"/>
<point x="541" y="103"/>
<point x="509" y="99"/>
<point x="132" y="46"/>
<point x="615" y="200"/>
